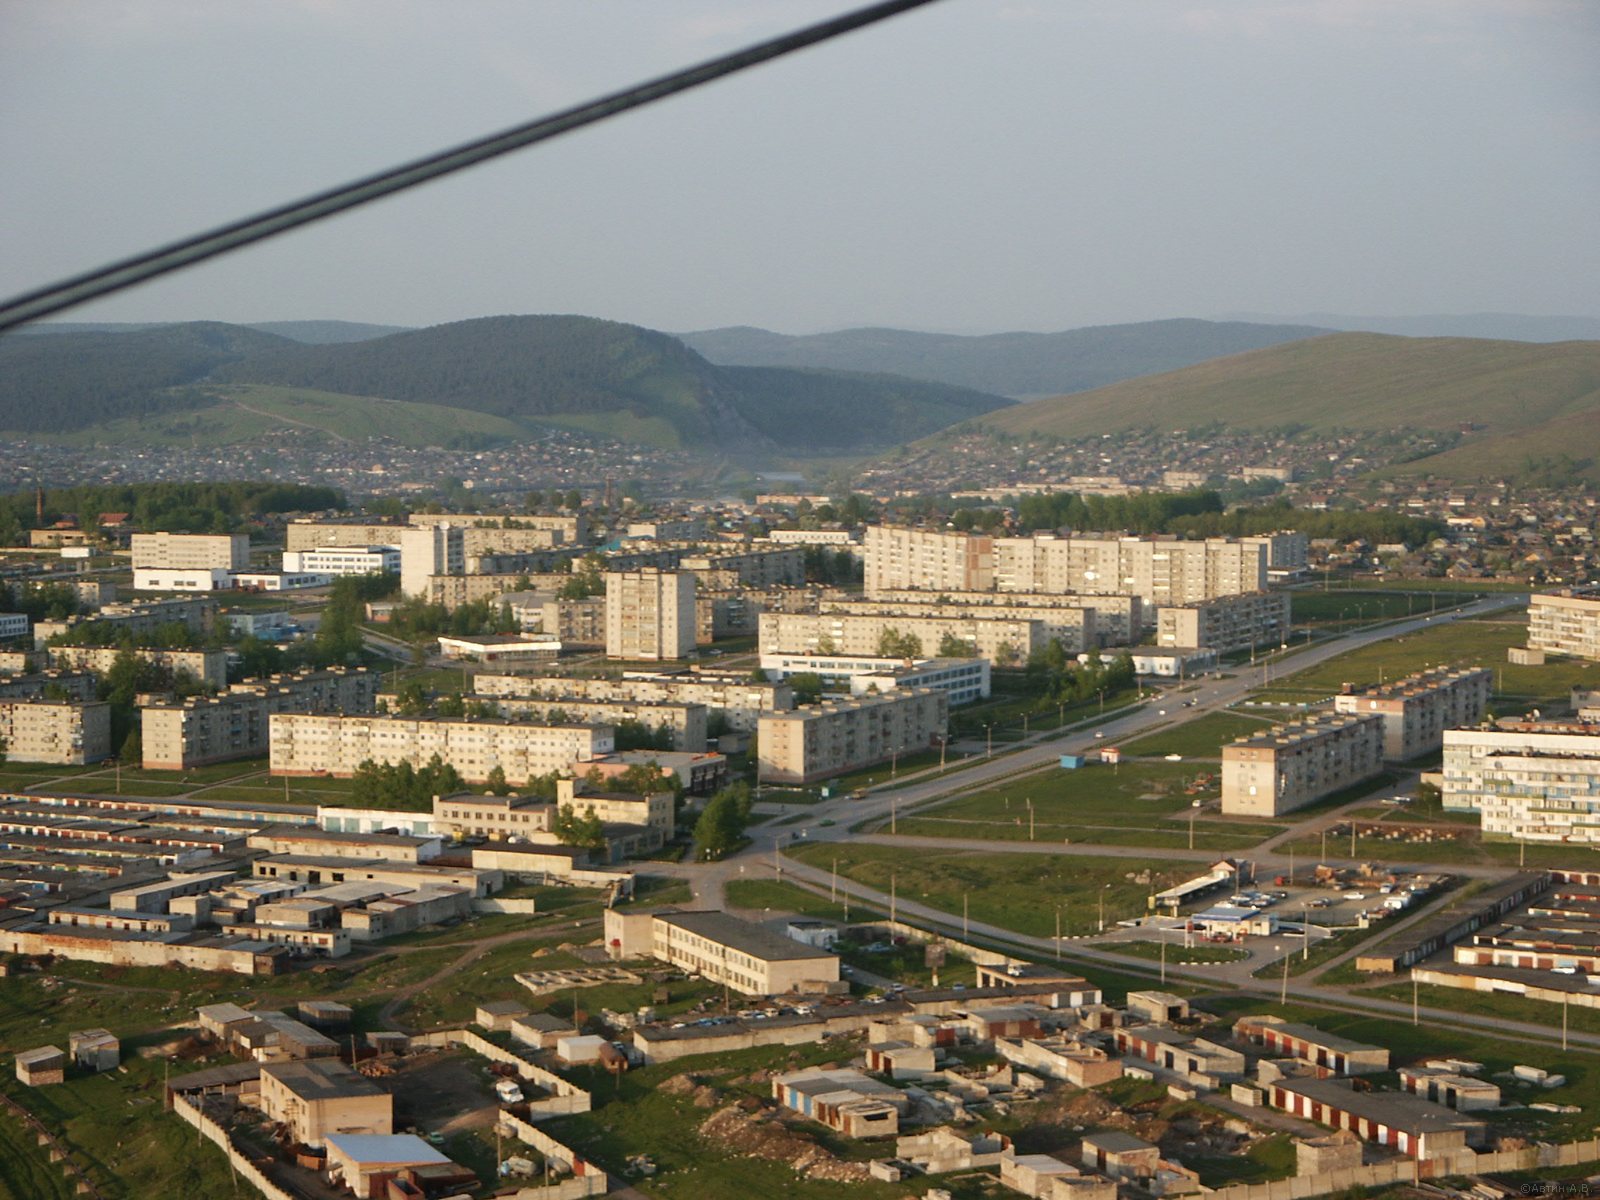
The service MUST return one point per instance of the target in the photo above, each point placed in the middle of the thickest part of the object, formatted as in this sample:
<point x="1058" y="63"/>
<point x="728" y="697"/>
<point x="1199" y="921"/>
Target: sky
<point x="971" y="167"/>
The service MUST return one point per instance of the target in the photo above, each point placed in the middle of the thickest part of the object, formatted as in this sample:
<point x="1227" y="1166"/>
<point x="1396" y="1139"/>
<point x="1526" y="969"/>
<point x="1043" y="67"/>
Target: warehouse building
<point x="748" y="958"/>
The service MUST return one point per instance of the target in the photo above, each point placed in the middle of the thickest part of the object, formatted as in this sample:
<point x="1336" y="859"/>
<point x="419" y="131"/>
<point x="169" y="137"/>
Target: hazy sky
<point x="977" y="166"/>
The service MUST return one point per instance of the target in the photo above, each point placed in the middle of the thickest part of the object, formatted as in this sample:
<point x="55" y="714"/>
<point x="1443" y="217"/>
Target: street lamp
<point x="1102" y="898"/>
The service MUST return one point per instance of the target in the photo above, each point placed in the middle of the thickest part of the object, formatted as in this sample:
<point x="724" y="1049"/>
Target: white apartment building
<point x="823" y="740"/>
<point x="428" y="551"/>
<point x="685" y="722"/>
<point x="650" y="614"/>
<point x="837" y="539"/>
<point x="1118" y="619"/>
<point x="1227" y="623"/>
<point x="1534" y="781"/>
<point x="740" y="701"/>
<point x="1417" y="710"/>
<point x="965" y="679"/>
<point x="1074" y="626"/>
<point x="314" y="744"/>
<point x="344" y="560"/>
<point x="191" y="551"/>
<point x="927" y="560"/>
<point x="778" y="566"/>
<point x="1559" y="624"/>
<point x="1293" y="765"/>
<point x="1001" y="640"/>
<point x="70" y="732"/>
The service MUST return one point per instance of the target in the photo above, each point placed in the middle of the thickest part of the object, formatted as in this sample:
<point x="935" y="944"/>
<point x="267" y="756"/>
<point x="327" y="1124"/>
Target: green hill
<point x="1010" y="364"/>
<point x="509" y="375"/>
<point x="1526" y="400"/>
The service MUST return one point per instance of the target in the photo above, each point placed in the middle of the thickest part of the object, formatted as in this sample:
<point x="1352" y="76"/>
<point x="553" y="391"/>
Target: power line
<point x="175" y="256"/>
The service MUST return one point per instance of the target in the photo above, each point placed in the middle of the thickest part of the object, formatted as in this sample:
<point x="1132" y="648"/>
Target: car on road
<point x="1355" y="895"/>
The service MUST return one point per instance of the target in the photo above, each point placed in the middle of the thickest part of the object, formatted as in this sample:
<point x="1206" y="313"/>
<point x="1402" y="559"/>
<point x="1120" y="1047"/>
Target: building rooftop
<point x="321" y="1079"/>
<point x="1114" y="1141"/>
<point x="754" y="940"/>
<point x="385" y="1149"/>
<point x="1398" y="1110"/>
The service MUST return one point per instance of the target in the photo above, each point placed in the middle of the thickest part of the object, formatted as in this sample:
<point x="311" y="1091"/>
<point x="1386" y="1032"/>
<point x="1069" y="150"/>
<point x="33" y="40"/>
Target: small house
<point x="1121" y="1155"/>
<point x="95" y="1049"/>
<point x="46" y="1065"/>
<point x="496" y="1015"/>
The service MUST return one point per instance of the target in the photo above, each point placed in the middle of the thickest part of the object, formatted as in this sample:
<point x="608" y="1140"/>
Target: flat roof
<point x="321" y="1079"/>
<point x="1310" y="1033"/>
<point x="386" y="1149"/>
<point x="1398" y="1110"/>
<point x="310" y="833"/>
<point x="754" y="940"/>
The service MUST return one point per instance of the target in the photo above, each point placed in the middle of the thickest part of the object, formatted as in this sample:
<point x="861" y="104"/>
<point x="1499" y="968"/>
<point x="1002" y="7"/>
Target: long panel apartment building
<point x="1074" y="626"/>
<point x="1160" y="571"/>
<point x="685" y="723"/>
<point x="1290" y="766"/>
<point x="210" y="667"/>
<point x="236" y="724"/>
<point x="1418" y="709"/>
<point x="740" y="701"/>
<point x="1001" y="640"/>
<point x="1119" y="619"/>
<point x="1560" y="624"/>
<point x="1226" y="623"/>
<point x="316" y="744"/>
<point x="191" y="551"/>
<point x="824" y="740"/>
<point x="68" y="732"/>
<point x="1538" y="781"/>
<point x="137" y="618"/>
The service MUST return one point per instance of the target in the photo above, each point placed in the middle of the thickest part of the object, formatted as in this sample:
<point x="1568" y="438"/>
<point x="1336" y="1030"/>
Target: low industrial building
<point x="371" y="1165"/>
<point x="1327" y="1051"/>
<point x="1120" y="1155"/>
<point x="846" y="1101"/>
<point x="1293" y="765"/>
<point x="748" y="958"/>
<point x="42" y="1066"/>
<point x="95" y="1049"/>
<point x="1413" y="1126"/>
<point x="1417" y="710"/>
<point x="322" y="843"/>
<point x="1060" y="1058"/>
<point x="1450" y="1088"/>
<point x="316" y="1098"/>
<point x="1195" y="1058"/>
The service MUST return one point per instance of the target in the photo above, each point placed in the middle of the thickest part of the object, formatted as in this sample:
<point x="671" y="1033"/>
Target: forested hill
<point x="1010" y="364"/>
<point x="579" y="372"/>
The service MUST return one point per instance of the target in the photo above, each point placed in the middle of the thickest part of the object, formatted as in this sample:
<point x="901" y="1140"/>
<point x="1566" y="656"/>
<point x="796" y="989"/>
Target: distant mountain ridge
<point x="310" y="332"/>
<point x="1010" y="364"/>
<point x="1505" y="327"/>
<point x="522" y="372"/>
<point x="1523" y="400"/>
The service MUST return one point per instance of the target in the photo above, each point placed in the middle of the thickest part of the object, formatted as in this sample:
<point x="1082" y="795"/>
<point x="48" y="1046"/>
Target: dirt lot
<point x="444" y="1092"/>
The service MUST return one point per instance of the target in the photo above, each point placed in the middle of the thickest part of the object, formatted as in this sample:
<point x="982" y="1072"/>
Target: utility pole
<point x="1058" y="933"/>
<point x="1030" y="820"/>
<point x="1191" y="829"/>
<point x="1305" y="934"/>
<point x="894" y="809"/>
<point x="1283" y="995"/>
<point x="1352" y="837"/>
<point x="1163" y="957"/>
<point x="1413" y="999"/>
<point x="1324" y="843"/>
<point x="893" y="901"/>
<point x="833" y="882"/>
<point x="964" y="916"/>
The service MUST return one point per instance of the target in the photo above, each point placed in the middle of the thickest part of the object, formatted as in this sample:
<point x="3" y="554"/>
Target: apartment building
<point x="1565" y="624"/>
<point x="1160" y="571"/>
<point x="1292" y="765"/>
<point x="650" y="614"/>
<point x="139" y="617"/>
<point x="13" y="625"/>
<point x="210" y="667"/>
<point x="322" y="535"/>
<point x="927" y="560"/>
<point x="759" y="568"/>
<point x="344" y="560"/>
<point x="1119" y="620"/>
<point x="740" y="701"/>
<point x="1417" y="710"/>
<point x="570" y="530"/>
<point x="69" y="732"/>
<point x="1288" y="553"/>
<point x="1227" y="623"/>
<point x="236" y="724"/>
<point x="1529" y="780"/>
<point x="314" y="744"/>
<point x="191" y="552"/>
<point x="833" y="539"/>
<point x="428" y="551"/>
<point x="1074" y="626"/>
<point x="571" y="622"/>
<point x="820" y="741"/>
<point x="1002" y="640"/>
<point x="748" y="958"/>
<point x="686" y="723"/>
<point x="71" y="685"/>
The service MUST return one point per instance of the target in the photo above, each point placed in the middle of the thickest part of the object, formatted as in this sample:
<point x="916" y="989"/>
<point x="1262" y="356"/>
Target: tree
<point x="721" y="825"/>
<point x="892" y="643"/>
<point x="586" y="831"/>
<point x="951" y="646"/>
<point x="496" y="784"/>
<point x="807" y="686"/>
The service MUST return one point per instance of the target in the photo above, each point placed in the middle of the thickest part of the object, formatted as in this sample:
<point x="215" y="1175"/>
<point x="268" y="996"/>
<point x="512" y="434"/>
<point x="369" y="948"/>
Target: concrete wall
<point x="564" y="1099"/>
<point x="587" y="1179"/>
<point x="190" y="1112"/>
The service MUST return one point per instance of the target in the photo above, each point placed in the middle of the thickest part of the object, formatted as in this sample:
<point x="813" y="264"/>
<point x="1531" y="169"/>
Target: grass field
<point x="1201" y="738"/>
<point x="1177" y="953"/>
<point x="1349" y="606"/>
<point x="1378" y="842"/>
<point x="787" y="898"/>
<point x="1465" y="643"/>
<point x="1134" y="804"/>
<point x="26" y="1172"/>
<point x="1020" y="892"/>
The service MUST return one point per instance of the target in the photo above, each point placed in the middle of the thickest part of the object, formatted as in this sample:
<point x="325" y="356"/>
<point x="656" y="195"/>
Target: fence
<point x="191" y="1112"/>
<point x="523" y="907"/>
<point x="564" y="1099"/>
<point x="587" y="1179"/>
<point x="59" y="1153"/>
